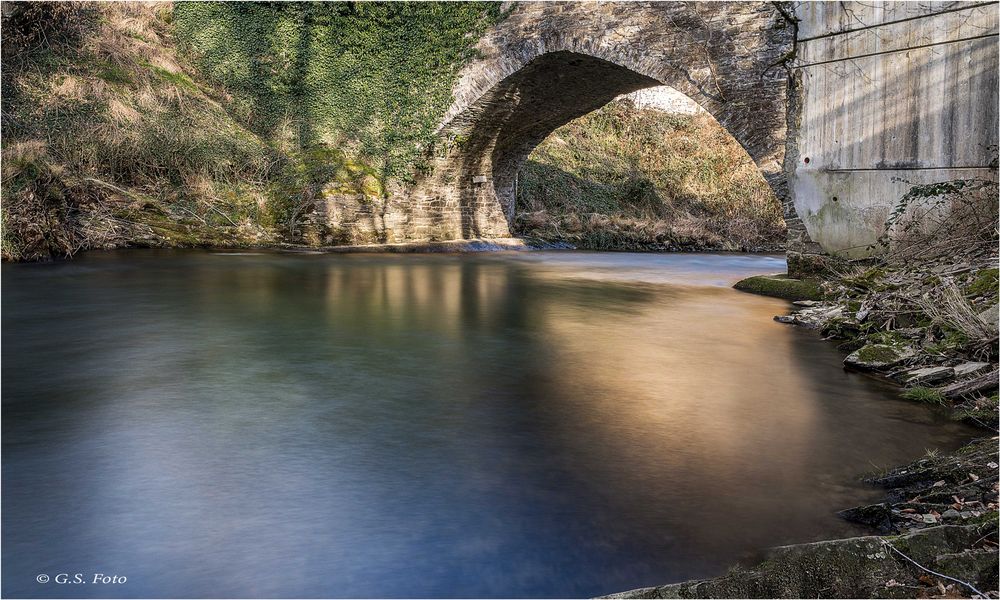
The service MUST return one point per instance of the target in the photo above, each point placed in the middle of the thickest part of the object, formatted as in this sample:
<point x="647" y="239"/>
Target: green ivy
<point x="370" y="77"/>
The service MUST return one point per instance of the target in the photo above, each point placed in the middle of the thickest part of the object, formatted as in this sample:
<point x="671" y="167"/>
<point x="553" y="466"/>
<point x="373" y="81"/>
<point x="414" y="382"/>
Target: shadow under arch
<point x="545" y="94"/>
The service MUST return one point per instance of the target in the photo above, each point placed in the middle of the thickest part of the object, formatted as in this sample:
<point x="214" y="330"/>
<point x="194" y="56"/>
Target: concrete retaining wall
<point x="890" y="94"/>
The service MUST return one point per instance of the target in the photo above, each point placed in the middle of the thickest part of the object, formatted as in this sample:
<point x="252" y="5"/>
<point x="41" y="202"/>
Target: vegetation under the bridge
<point x="625" y="178"/>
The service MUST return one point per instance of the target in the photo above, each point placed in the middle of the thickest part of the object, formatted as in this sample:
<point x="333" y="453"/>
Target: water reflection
<point x="562" y="424"/>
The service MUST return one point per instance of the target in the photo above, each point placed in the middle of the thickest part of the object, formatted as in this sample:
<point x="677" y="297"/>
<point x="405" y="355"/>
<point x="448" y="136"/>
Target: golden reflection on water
<point x="693" y="384"/>
<point x="700" y="386"/>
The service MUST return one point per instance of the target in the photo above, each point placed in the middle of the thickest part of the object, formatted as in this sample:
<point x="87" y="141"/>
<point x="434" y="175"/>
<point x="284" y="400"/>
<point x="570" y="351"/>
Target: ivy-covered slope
<point x="184" y="124"/>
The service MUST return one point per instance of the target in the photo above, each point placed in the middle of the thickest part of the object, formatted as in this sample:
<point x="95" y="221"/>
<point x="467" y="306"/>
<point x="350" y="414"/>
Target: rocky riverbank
<point x="940" y="515"/>
<point x="930" y="326"/>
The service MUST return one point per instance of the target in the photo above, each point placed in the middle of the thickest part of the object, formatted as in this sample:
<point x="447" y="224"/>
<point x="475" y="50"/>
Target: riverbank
<point x="126" y="126"/>
<point x="940" y="515"/>
<point x="930" y="326"/>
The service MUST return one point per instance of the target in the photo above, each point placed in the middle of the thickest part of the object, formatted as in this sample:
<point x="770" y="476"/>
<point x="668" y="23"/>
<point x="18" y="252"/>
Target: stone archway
<point x="549" y="63"/>
<point x="503" y="127"/>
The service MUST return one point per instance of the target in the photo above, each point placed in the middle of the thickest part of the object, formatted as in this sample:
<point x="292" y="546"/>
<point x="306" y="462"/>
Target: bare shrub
<point x="939" y="219"/>
<point x="28" y="26"/>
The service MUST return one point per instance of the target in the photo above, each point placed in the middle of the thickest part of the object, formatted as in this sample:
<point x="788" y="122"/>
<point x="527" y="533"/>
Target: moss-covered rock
<point x="871" y="357"/>
<point x="981" y="411"/>
<point x="781" y="286"/>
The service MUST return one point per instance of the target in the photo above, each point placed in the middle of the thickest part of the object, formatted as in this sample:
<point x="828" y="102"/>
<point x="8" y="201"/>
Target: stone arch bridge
<point x="825" y="97"/>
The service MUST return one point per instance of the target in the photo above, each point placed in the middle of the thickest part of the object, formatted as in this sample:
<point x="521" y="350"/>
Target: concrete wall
<point x="889" y="94"/>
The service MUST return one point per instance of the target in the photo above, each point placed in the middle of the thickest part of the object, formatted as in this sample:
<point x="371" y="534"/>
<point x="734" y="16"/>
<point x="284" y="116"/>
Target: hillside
<point x="152" y="124"/>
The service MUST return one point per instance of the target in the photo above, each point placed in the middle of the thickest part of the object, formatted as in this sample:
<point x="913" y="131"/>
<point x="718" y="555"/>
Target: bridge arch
<point x="549" y="63"/>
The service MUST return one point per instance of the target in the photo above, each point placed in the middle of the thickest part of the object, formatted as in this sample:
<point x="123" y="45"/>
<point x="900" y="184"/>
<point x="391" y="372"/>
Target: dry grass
<point x="656" y="179"/>
<point x="942" y="219"/>
<point x="108" y="141"/>
<point x="952" y="308"/>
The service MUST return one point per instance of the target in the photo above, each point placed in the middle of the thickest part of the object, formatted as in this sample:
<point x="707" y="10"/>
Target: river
<point x="543" y="424"/>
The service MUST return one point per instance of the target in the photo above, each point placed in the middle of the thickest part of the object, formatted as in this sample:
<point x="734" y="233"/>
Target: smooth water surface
<point x="517" y="424"/>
